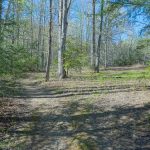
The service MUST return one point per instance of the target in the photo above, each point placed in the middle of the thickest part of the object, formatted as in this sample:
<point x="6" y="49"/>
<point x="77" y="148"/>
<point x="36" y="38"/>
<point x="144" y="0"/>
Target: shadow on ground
<point x="125" y="128"/>
<point x="74" y="124"/>
<point x="60" y="92"/>
<point x="9" y="88"/>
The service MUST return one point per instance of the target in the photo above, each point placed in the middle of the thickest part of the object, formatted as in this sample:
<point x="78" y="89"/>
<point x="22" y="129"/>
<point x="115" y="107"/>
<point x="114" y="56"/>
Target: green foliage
<point x="144" y="46"/>
<point x="124" y="59"/>
<point x="74" y="57"/>
<point x="135" y="8"/>
<point x="128" y="54"/>
<point x="15" y="59"/>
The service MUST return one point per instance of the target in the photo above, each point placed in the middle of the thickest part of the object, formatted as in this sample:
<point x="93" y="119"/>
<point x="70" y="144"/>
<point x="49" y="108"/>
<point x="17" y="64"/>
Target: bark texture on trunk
<point x="1" y="19"/>
<point x="50" y="44"/>
<point x="60" y="56"/>
<point x="64" y="6"/>
<point x="99" y="39"/>
<point x="93" y="37"/>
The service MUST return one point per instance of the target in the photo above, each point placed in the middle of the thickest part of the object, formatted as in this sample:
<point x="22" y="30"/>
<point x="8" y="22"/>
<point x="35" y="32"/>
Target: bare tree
<point x="93" y="35"/>
<point x="1" y="1"/>
<point x="1" y="19"/>
<point x="40" y="33"/>
<point x="32" y="31"/>
<point x="18" y="21"/>
<point x="60" y="53"/>
<point x="50" y="43"/>
<point x="64" y="6"/>
<point x="100" y="38"/>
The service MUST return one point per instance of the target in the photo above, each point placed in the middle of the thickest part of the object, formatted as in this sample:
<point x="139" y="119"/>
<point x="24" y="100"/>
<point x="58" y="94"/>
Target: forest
<point x="74" y="74"/>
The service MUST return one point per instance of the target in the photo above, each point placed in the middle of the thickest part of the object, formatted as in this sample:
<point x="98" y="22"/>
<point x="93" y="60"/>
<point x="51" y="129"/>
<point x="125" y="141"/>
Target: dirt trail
<point x="84" y="116"/>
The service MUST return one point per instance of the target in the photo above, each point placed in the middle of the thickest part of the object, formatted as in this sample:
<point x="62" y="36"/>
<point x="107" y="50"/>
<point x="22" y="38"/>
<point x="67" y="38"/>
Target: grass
<point x="123" y="75"/>
<point x="75" y="106"/>
<point x="139" y="77"/>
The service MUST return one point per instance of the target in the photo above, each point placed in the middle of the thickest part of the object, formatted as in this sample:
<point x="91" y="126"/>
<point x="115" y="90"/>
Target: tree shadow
<point x="77" y="124"/>
<point x="9" y="88"/>
<point x="61" y="92"/>
<point x="121" y="128"/>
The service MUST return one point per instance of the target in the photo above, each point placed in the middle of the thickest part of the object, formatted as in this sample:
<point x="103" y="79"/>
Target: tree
<point x="93" y="35"/>
<point x="64" y="7"/>
<point x="32" y="32"/>
<point x="24" y="27"/>
<point x="75" y="58"/>
<point x="137" y="7"/>
<point x="40" y="34"/>
<point x="1" y="18"/>
<point x="100" y="37"/>
<point x="50" y="43"/>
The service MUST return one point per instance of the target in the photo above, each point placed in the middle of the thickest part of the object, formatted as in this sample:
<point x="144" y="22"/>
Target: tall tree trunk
<point x="106" y="50"/>
<point x="43" y="44"/>
<point x="93" y="36"/>
<point x="43" y="37"/>
<point x="64" y="6"/>
<point x="60" y="53"/>
<point x="106" y="40"/>
<point x="87" y="30"/>
<point x="32" y="32"/>
<point x="13" y="16"/>
<point x="1" y="19"/>
<point x="18" y="22"/>
<point x="50" y="44"/>
<point x="81" y="18"/>
<point x="40" y="35"/>
<point x="1" y="1"/>
<point x="6" y="15"/>
<point x="99" y="39"/>
<point x="64" y="32"/>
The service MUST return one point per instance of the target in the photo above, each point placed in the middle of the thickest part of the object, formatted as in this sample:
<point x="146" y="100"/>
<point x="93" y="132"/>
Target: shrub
<point x="16" y="59"/>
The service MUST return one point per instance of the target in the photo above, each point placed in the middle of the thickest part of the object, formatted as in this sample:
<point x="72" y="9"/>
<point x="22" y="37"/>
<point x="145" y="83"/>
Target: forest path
<point x="76" y="115"/>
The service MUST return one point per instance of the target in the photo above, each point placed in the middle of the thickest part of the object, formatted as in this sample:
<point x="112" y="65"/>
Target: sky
<point x="83" y="6"/>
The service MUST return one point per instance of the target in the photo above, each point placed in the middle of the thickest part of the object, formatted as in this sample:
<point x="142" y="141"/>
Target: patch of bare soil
<point x="77" y="116"/>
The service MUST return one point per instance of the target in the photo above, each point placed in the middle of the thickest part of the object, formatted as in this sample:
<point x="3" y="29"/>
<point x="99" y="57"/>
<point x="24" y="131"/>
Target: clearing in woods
<point x="105" y="111"/>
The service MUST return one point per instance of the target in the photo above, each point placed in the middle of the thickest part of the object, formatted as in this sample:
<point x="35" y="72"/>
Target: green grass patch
<point x="122" y="75"/>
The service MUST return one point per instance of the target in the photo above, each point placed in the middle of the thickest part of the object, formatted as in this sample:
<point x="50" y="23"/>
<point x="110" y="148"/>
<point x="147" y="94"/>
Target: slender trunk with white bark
<point x="50" y="44"/>
<point x="32" y="32"/>
<point x="64" y="6"/>
<point x="93" y="36"/>
<point x="100" y="38"/>
<point x="1" y="19"/>
<point x="60" y="53"/>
